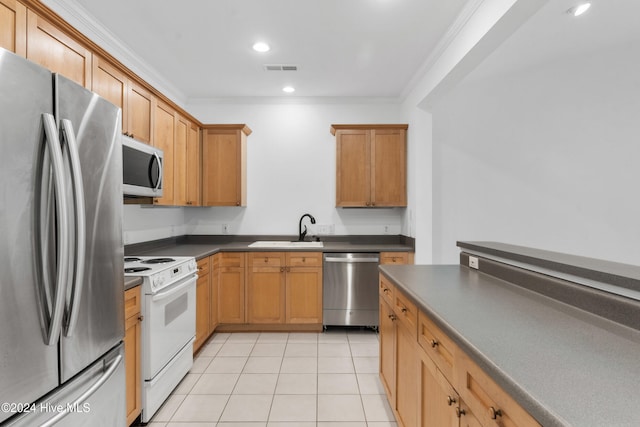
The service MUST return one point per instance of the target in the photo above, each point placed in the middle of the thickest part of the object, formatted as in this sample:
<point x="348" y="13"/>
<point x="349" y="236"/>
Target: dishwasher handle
<point x="352" y="260"/>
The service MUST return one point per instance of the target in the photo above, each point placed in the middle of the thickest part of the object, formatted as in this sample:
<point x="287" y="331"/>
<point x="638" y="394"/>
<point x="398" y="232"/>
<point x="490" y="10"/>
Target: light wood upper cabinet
<point x="164" y="132"/>
<point x="13" y="26"/>
<point x="111" y="84"/>
<point x="371" y="165"/>
<point x="53" y="49"/>
<point x="139" y="111"/>
<point x="224" y="160"/>
<point x="180" y="161"/>
<point x="193" y="176"/>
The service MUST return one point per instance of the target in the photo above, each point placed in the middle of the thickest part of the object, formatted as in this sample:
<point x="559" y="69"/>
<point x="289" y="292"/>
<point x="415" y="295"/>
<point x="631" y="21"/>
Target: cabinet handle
<point x="392" y="317"/>
<point x="451" y="400"/>
<point x="495" y="413"/>
<point x="434" y="343"/>
<point x="460" y="412"/>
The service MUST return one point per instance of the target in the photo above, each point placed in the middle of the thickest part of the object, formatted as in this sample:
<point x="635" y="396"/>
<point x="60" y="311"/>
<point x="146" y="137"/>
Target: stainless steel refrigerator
<point x="61" y="252"/>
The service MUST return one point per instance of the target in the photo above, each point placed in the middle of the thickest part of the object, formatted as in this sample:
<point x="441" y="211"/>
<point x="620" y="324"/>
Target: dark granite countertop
<point x="132" y="282"/>
<point x="203" y="246"/>
<point x="565" y="366"/>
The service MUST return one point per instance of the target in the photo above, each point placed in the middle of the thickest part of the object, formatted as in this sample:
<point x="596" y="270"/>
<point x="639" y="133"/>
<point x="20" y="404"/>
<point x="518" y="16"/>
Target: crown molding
<point x="452" y="32"/>
<point x="77" y="16"/>
<point x="331" y="100"/>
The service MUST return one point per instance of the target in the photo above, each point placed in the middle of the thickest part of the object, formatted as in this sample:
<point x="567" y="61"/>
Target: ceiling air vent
<point x="280" y="67"/>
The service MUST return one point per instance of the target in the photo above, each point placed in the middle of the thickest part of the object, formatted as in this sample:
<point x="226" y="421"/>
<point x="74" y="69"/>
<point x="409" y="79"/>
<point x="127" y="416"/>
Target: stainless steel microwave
<point x="141" y="169"/>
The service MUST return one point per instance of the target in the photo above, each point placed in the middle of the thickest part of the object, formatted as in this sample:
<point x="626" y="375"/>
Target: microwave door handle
<point x="159" y="182"/>
<point x="55" y="153"/>
<point x="80" y="228"/>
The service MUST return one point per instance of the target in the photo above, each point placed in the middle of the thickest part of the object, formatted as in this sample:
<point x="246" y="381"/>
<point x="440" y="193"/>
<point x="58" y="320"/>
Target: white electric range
<point x="168" y="326"/>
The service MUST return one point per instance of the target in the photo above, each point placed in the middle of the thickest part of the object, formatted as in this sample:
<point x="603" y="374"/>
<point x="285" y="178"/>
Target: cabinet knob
<point x="238" y="203"/>
<point x="281" y="269"/>
<point x="393" y="259"/>
<point x="495" y="413"/>
<point x="392" y="317"/>
<point x="460" y="412"/>
<point x="404" y="309"/>
<point x="385" y="290"/>
<point x="304" y="259"/>
<point x="141" y="318"/>
<point x="434" y="343"/>
<point x="451" y="400"/>
<point x="266" y="260"/>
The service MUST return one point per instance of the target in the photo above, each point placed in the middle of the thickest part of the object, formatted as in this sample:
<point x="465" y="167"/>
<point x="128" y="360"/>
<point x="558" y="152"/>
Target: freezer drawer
<point x="95" y="398"/>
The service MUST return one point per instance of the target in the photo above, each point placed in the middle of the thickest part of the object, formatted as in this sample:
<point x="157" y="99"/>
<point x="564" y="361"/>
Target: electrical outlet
<point x="387" y="229"/>
<point x="473" y="262"/>
<point x="226" y="229"/>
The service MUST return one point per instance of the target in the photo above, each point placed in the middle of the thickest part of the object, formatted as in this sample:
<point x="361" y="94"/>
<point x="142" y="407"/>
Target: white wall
<point x="290" y="171"/>
<point x="546" y="157"/>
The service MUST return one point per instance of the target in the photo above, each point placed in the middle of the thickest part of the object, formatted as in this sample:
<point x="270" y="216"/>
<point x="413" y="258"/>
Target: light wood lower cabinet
<point x="429" y="380"/>
<point x="203" y="303"/>
<point x="132" y="351"/>
<point x="284" y="287"/>
<point x="231" y="288"/>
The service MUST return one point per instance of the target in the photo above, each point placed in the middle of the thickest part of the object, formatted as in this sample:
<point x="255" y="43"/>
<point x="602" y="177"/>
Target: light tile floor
<point x="273" y="379"/>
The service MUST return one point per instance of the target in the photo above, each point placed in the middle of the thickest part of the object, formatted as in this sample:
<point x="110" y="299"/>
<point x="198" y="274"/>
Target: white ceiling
<point x="552" y="35"/>
<point x="343" y="48"/>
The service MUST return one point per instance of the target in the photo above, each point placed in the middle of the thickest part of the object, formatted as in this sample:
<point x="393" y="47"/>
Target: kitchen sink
<point x="285" y="244"/>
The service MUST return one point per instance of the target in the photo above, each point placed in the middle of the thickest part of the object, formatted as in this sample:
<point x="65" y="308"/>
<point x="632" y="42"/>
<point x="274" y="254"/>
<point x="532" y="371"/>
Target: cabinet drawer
<point x="232" y="259"/>
<point x="489" y="403"/>
<point x="266" y="259"/>
<point x="203" y="267"/>
<point x="132" y="302"/>
<point x="394" y="258"/>
<point x="406" y="311"/>
<point x="386" y="290"/>
<point x="304" y="259"/>
<point x="437" y="345"/>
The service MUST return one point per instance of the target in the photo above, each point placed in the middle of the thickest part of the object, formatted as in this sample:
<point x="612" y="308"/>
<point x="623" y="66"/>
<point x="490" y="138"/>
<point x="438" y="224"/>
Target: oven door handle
<point x="178" y="288"/>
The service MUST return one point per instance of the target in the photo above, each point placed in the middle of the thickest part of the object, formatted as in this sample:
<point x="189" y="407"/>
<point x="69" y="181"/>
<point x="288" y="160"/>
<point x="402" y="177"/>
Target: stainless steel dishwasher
<point x="350" y="289"/>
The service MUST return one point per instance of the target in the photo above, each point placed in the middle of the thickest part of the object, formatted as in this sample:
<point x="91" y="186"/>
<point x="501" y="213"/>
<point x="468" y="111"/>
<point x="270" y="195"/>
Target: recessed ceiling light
<point x="579" y="9"/>
<point x="288" y="89"/>
<point x="261" y="47"/>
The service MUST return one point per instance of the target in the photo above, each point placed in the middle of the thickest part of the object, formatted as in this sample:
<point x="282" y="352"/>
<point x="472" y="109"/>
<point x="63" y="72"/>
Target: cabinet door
<point x="353" y="168"/>
<point x="111" y="84"/>
<point x="387" y="329"/>
<point x="203" y="303"/>
<point x="438" y="399"/>
<point x="407" y="376"/>
<point x="164" y="138"/>
<point x="389" y="163"/>
<point x="132" y="352"/>
<point x="304" y="295"/>
<point x="139" y="113"/>
<point x="222" y="153"/>
<point x="51" y="48"/>
<point x="214" y="281"/>
<point x="231" y="295"/>
<point x="13" y="26"/>
<point x="265" y="295"/>
<point x="180" y="161"/>
<point x="193" y="166"/>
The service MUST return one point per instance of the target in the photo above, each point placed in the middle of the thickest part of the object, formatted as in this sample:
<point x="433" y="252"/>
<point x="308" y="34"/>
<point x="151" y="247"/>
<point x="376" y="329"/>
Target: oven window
<point x="175" y="308"/>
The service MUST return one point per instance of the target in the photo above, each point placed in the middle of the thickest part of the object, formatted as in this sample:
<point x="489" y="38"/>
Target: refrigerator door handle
<point x="55" y="153"/>
<point x="87" y="394"/>
<point x="77" y="281"/>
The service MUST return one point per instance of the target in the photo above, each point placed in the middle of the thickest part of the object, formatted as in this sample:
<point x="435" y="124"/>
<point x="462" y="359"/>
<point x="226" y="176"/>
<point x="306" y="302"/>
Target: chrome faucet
<point x="301" y="233"/>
